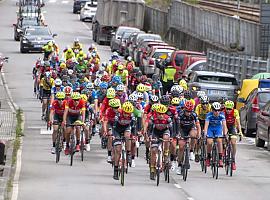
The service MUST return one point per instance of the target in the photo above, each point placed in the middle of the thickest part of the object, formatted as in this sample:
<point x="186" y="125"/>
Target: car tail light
<point x="255" y="105"/>
<point x="151" y="62"/>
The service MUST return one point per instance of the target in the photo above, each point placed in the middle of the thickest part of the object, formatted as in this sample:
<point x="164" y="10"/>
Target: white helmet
<point x="216" y="106"/>
<point x="204" y="99"/>
<point x="129" y="58"/>
<point x="97" y="82"/>
<point x="120" y="87"/>
<point x="115" y="53"/>
<point x="57" y="82"/>
<point x="76" y="40"/>
<point x="133" y="97"/>
<point x="201" y="93"/>
<point x="140" y="95"/>
<point x="177" y="88"/>
<point x="70" y="71"/>
<point x="154" y="98"/>
<point x="89" y="85"/>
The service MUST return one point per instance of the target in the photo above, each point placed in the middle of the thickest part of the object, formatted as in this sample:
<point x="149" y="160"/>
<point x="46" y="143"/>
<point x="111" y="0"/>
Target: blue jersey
<point x="54" y="90"/>
<point x="215" y="121"/>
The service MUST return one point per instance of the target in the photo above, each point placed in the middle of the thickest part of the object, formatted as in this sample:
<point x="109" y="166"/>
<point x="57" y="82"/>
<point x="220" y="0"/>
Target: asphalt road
<point x="41" y="178"/>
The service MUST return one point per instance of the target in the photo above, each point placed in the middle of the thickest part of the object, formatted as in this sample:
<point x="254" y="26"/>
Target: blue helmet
<point x="182" y="102"/>
<point x="103" y="85"/>
<point x="116" y="79"/>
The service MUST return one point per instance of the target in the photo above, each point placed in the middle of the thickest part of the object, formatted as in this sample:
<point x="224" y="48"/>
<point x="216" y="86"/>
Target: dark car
<point x="123" y="42"/>
<point x="130" y="43"/>
<point x="22" y="24"/>
<point x="34" y="38"/>
<point x="263" y="126"/>
<point x="253" y="104"/>
<point x="78" y="4"/>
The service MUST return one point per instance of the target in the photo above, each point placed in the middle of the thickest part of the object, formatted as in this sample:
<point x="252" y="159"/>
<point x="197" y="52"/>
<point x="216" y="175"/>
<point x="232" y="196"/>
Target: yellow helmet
<point x="110" y="93"/>
<point x="182" y="82"/>
<point x="154" y="106"/>
<point x="114" y="62"/>
<point x="60" y="95"/>
<point x="161" y="108"/>
<point x="193" y="101"/>
<point x="229" y="104"/>
<point x="114" y="103"/>
<point x="140" y="88"/>
<point x="75" y="95"/>
<point x="50" y="44"/>
<point x="120" y="67"/>
<point x="69" y="50"/>
<point x="175" y="101"/>
<point x="128" y="107"/>
<point x="84" y="97"/>
<point x="81" y="53"/>
<point x="63" y="65"/>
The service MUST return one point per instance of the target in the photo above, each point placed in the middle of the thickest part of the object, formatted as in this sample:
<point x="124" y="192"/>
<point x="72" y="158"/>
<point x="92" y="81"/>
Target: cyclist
<point x="48" y="50"/>
<point x="69" y="55"/>
<point x="215" y="126"/>
<point x="58" y="87"/>
<point x="88" y="120"/>
<point x="161" y="127"/>
<point x="233" y="123"/>
<point x="124" y="120"/>
<point x="121" y="94"/>
<point x="189" y="126"/>
<point x="130" y="64"/>
<point x="81" y="67"/>
<point x="123" y="73"/>
<point x="56" y="115"/>
<point x="77" y="46"/>
<point x="46" y="83"/>
<point x="74" y="110"/>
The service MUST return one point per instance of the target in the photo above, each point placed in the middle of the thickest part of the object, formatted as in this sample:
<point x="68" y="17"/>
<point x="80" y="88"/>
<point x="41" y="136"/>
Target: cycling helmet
<point x="154" y="106"/>
<point x="104" y="64"/>
<point x="116" y="79"/>
<point x="70" y="71"/>
<point x="76" y="40"/>
<point x="200" y="93"/>
<point x="68" y="90"/>
<point x="229" y="104"/>
<point x="204" y="99"/>
<point x="57" y="82"/>
<point x="97" y="82"/>
<point x="115" y="55"/>
<point x="89" y="86"/>
<point x="177" y="88"/>
<point x="103" y="85"/>
<point x="63" y="65"/>
<point x="165" y="100"/>
<point x="182" y="102"/>
<point x="187" y="94"/>
<point x="50" y="44"/>
<point x="105" y="78"/>
<point x="84" y="97"/>
<point x="154" y="98"/>
<point x="182" y="82"/>
<point x="140" y="88"/>
<point x="48" y="74"/>
<point x="60" y="95"/>
<point x="120" y="87"/>
<point x="189" y="106"/>
<point x="47" y="64"/>
<point x="110" y="93"/>
<point x="114" y="103"/>
<point x="175" y="101"/>
<point x="161" y="108"/>
<point x="120" y="67"/>
<point x="75" y="95"/>
<point x="129" y="58"/>
<point x="155" y="77"/>
<point x="133" y="98"/>
<point x="140" y="95"/>
<point x="216" y="106"/>
<point x="175" y="93"/>
<point x="91" y="47"/>
<point x="128" y="107"/>
<point x="85" y="91"/>
<point x="69" y="50"/>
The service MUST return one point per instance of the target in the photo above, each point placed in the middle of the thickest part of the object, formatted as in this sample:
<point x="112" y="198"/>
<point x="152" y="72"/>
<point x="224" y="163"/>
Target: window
<point x="216" y="79"/>
<point x="264" y="97"/>
<point x="179" y="59"/>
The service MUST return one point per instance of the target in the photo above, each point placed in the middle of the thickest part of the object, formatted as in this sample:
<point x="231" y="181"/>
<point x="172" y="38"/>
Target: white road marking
<point x="15" y="189"/>
<point x="52" y="1"/>
<point x="64" y="2"/>
<point x="177" y="186"/>
<point x="35" y="127"/>
<point x="46" y="132"/>
<point x="190" y="198"/>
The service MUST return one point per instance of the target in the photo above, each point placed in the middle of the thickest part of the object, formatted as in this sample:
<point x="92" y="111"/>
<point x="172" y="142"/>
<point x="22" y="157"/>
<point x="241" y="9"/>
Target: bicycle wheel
<point x="185" y="164"/>
<point x="122" y="172"/>
<point x="227" y="160"/>
<point x="58" y="146"/>
<point x="158" y="168"/>
<point x="82" y="146"/>
<point x="213" y="161"/>
<point x="72" y="149"/>
<point x="217" y="165"/>
<point x="167" y="172"/>
<point x="202" y="156"/>
<point x="230" y="162"/>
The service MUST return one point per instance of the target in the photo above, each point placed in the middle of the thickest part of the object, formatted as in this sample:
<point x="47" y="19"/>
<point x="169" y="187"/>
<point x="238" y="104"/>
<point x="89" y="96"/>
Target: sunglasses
<point x="76" y="99"/>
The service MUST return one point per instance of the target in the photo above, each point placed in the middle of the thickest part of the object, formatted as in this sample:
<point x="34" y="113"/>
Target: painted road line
<point x="190" y="198"/>
<point x="46" y="132"/>
<point x="65" y="2"/>
<point x="52" y="1"/>
<point x="35" y="127"/>
<point x="177" y="186"/>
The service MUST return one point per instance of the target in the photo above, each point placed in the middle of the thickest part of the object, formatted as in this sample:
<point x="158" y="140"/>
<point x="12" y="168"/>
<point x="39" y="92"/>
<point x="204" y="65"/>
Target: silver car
<point x="88" y="11"/>
<point x="215" y="84"/>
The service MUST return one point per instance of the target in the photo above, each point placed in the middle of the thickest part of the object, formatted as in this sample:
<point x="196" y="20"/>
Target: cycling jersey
<point x="123" y="98"/>
<point x="202" y="112"/>
<point x="215" y="124"/>
<point x="58" y="108"/>
<point x="73" y="109"/>
<point x="47" y="85"/>
<point x="123" y="75"/>
<point x="54" y="89"/>
<point x="110" y="115"/>
<point x="101" y="96"/>
<point x="188" y="122"/>
<point x="124" y="120"/>
<point x="231" y="117"/>
<point x="161" y="122"/>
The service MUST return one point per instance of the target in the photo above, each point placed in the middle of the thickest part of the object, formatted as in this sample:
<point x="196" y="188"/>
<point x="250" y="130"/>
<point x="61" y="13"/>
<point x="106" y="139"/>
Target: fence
<point x="7" y="125"/>
<point x="155" y="20"/>
<point x="241" y="66"/>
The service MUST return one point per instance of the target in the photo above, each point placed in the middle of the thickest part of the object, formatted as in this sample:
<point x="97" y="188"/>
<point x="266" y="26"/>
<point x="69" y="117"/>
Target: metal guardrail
<point x="7" y="125"/>
<point x="242" y="66"/>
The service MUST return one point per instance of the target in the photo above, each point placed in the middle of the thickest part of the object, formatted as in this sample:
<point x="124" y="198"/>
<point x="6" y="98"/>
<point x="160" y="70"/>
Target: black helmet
<point x="175" y="93"/>
<point x="165" y="100"/>
<point x="187" y="94"/>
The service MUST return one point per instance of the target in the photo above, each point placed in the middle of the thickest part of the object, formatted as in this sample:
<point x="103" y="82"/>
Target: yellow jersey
<point x="202" y="112"/>
<point x="47" y="85"/>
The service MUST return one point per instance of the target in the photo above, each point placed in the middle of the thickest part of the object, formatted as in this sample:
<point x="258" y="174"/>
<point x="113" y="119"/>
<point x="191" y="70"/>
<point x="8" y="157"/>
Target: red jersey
<point x="110" y="115"/>
<point x="73" y="109"/>
<point x="161" y="121"/>
<point x="58" y="108"/>
<point x="124" y="120"/>
<point x="147" y="108"/>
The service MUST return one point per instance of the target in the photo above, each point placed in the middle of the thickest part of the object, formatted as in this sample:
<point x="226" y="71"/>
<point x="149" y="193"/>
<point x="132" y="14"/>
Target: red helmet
<point x="189" y="106"/>
<point x="105" y="78"/>
<point x="68" y="90"/>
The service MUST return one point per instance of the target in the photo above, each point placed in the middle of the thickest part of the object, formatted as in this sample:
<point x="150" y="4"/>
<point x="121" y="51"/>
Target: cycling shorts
<point x="119" y="130"/>
<point x="159" y="133"/>
<point x="184" y="132"/>
<point x="232" y="130"/>
<point x="214" y="132"/>
<point x="46" y="94"/>
<point x="71" y="119"/>
<point x="202" y="122"/>
<point x="57" y="119"/>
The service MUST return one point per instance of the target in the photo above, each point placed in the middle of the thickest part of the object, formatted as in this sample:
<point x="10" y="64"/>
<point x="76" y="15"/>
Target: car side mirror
<point x="264" y="113"/>
<point x="241" y="100"/>
<point x="54" y="35"/>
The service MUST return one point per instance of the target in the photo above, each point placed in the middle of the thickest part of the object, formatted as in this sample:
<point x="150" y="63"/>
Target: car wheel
<point x="259" y="142"/>
<point x="22" y="50"/>
<point x="247" y="132"/>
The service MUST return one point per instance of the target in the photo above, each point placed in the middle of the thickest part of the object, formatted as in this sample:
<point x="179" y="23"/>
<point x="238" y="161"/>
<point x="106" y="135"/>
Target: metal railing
<point x="7" y="125"/>
<point x="242" y="66"/>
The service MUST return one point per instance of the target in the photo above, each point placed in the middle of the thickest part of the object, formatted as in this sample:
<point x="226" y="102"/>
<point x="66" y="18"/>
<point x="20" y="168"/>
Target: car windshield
<point x="264" y="97"/>
<point x="122" y="30"/>
<point x="216" y="79"/>
<point x="37" y="31"/>
<point x="29" y="22"/>
<point x="157" y="54"/>
<point x="199" y="67"/>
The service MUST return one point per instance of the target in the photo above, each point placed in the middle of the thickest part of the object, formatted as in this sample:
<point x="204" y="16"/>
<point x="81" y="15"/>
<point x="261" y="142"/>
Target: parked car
<point x="252" y="105"/>
<point x="148" y="66"/>
<point x="22" y="24"/>
<point x="138" y="42"/>
<point x="181" y="59"/>
<point x="35" y="37"/>
<point x="115" y="41"/>
<point x="88" y="11"/>
<point x="199" y="65"/>
<point x="79" y="4"/>
<point x="215" y="84"/>
<point x="124" y="42"/>
<point x="263" y="126"/>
